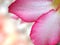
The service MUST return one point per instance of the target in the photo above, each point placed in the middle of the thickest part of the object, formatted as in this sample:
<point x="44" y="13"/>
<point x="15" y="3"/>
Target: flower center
<point x="56" y="4"/>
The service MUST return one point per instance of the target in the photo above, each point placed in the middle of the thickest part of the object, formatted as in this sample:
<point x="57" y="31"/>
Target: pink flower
<point x="45" y="14"/>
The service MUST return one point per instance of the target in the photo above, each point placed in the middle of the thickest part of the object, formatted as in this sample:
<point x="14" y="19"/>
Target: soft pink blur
<point x="9" y="35"/>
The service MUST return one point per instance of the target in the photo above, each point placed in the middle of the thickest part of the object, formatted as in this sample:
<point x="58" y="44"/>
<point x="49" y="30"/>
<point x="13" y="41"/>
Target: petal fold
<point x="46" y="29"/>
<point x="30" y="10"/>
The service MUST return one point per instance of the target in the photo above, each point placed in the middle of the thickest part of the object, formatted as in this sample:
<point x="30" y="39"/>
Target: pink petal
<point x="30" y="10"/>
<point x="46" y="29"/>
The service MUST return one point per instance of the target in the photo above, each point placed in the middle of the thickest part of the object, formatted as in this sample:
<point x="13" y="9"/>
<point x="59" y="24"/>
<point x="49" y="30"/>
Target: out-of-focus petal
<point x="30" y="10"/>
<point x="46" y="29"/>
